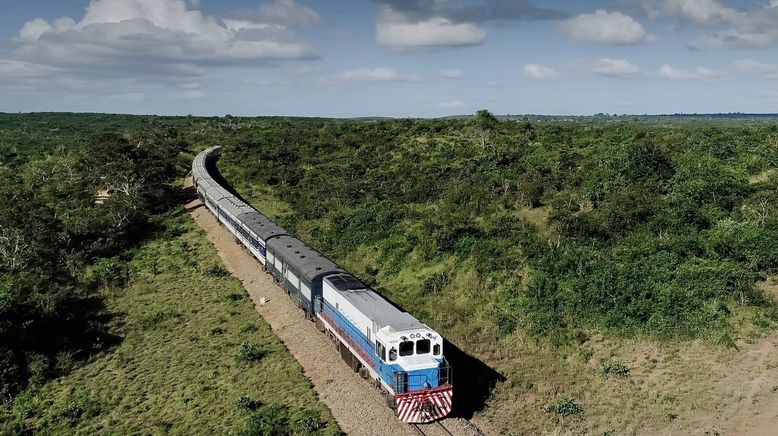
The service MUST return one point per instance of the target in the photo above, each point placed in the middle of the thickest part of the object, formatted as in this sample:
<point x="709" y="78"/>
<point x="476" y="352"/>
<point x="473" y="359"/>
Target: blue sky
<point x="388" y="57"/>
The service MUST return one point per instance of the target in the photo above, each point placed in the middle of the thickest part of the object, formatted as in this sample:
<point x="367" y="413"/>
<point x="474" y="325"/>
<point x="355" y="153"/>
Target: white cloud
<point x="539" y="72"/>
<point x="704" y="12"/>
<point x="609" y="28"/>
<point x="668" y="72"/>
<point x="374" y="75"/>
<point x="163" y="37"/>
<point x="395" y="31"/>
<point x="753" y="27"/>
<point x="612" y="68"/>
<point x="452" y="104"/>
<point x="765" y="69"/>
<point x="452" y="74"/>
<point x="10" y="68"/>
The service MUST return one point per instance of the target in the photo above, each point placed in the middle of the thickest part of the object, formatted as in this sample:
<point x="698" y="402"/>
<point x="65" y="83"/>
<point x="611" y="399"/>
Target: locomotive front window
<point x="406" y="348"/>
<point x="436" y="350"/>
<point x="392" y="354"/>
<point x="422" y="346"/>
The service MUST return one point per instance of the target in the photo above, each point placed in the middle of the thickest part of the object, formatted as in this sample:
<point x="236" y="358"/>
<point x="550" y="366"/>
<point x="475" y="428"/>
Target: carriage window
<point x="392" y="354"/>
<point x="436" y="349"/>
<point x="422" y="346"/>
<point x="406" y="348"/>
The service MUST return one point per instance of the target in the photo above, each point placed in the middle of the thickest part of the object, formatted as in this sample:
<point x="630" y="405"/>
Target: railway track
<point x="419" y="428"/>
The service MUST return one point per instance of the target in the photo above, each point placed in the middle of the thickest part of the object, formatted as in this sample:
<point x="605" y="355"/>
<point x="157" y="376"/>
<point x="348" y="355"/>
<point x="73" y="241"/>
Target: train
<point x="399" y="354"/>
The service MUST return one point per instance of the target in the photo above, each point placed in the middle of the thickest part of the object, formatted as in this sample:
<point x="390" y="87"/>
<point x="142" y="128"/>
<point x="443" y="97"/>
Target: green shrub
<point x="78" y="408"/>
<point x="615" y="368"/>
<point x="306" y="423"/>
<point x="10" y="374"/>
<point x="436" y="282"/>
<point x="111" y="272"/>
<point x="249" y="404"/>
<point x="235" y="296"/>
<point x="250" y="353"/>
<point x="563" y="406"/>
<point x="270" y="420"/>
<point x="216" y="271"/>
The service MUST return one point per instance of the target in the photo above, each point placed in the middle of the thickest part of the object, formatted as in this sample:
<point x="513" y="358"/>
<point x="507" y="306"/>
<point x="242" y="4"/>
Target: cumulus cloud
<point x="408" y="24"/>
<point x="768" y="70"/>
<point x="668" y="72"/>
<point x="394" y="31"/>
<point x="609" y="28"/>
<point x="452" y="104"/>
<point x="452" y="74"/>
<point x="161" y="37"/>
<point x="374" y="75"/>
<point x="612" y="68"/>
<point x="704" y="12"/>
<point x="753" y="27"/>
<point x="539" y="72"/>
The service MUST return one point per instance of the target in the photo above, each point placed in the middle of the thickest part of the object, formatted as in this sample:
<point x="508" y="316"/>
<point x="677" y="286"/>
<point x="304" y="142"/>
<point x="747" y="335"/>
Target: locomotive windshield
<point x="406" y="348"/>
<point x="422" y="346"/>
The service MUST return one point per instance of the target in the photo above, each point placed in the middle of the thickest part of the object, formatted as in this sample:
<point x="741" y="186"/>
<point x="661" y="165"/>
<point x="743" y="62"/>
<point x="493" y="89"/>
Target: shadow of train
<point x="473" y="381"/>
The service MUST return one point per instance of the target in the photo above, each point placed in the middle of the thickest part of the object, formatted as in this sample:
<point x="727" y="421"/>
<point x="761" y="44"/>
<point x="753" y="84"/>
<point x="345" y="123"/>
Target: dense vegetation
<point x="629" y="227"/>
<point x="507" y="235"/>
<point x="123" y="303"/>
<point x="51" y="231"/>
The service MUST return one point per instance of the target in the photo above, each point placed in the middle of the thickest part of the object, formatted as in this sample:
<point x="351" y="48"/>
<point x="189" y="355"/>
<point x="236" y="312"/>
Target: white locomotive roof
<point x="372" y="305"/>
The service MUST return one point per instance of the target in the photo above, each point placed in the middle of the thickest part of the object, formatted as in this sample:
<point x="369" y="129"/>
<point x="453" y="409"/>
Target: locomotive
<point x="398" y="353"/>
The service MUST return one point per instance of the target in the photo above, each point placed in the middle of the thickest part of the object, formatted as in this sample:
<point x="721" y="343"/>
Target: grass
<point x="193" y="359"/>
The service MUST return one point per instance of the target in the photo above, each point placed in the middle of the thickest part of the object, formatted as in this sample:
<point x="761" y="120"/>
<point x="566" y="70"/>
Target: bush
<point x="271" y="420"/>
<point x="216" y="271"/>
<point x="307" y="422"/>
<point x="563" y="406"/>
<point x="615" y="368"/>
<point x="250" y="353"/>
<point x="436" y="282"/>
<point x="10" y="374"/>
<point x="78" y="408"/>
<point x="247" y="403"/>
<point x="111" y="272"/>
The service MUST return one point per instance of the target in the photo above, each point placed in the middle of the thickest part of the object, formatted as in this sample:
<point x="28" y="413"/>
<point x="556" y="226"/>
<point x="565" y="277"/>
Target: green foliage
<point x="250" y="353"/>
<point x="249" y="404"/>
<point x="58" y="249"/>
<point x="631" y="227"/>
<point x="78" y="408"/>
<point x="216" y="271"/>
<point x="563" y="406"/>
<point x="615" y="368"/>
<point x="307" y="423"/>
<point x="270" y="420"/>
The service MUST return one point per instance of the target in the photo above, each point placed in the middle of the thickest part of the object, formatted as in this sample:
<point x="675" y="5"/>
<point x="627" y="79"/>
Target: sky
<point x="395" y="58"/>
